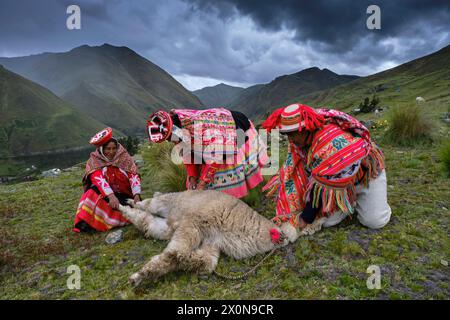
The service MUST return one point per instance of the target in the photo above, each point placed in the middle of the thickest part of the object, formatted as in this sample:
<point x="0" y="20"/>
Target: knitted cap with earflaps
<point x="295" y="117"/>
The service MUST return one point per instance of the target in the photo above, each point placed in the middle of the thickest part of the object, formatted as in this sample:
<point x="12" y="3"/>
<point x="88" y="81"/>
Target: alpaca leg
<point x="202" y="260"/>
<point x="157" y="228"/>
<point x="155" y="268"/>
<point x="142" y="205"/>
<point x="135" y="216"/>
<point x="184" y="240"/>
<point x="150" y="225"/>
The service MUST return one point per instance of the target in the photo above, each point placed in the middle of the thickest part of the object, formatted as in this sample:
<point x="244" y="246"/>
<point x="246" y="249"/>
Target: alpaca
<point x="420" y="100"/>
<point x="200" y="225"/>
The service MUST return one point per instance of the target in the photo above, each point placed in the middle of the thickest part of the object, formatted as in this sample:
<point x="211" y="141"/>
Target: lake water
<point x="18" y="165"/>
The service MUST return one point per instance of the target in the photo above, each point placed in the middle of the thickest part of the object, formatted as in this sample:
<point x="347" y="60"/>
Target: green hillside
<point x="35" y="120"/>
<point x="112" y="84"/>
<point x="427" y="77"/>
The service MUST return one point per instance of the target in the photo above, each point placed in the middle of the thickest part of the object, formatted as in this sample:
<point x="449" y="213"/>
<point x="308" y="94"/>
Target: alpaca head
<point x="290" y="232"/>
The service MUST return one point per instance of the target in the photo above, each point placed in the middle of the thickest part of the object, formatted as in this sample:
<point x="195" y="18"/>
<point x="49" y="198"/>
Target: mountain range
<point x="257" y="99"/>
<point x="428" y="76"/>
<point x="112" y="84"/>
<point x="51" y="101"/>
<point x="219" y="95"/>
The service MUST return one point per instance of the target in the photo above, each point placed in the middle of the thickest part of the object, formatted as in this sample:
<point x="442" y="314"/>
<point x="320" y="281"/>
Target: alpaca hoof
<point x="135" y="279"/>
<point x="312" y="228"/>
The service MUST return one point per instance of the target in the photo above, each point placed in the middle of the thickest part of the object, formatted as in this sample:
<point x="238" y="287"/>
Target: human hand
<point x="192" y="183"/>
<point x="201" y="186"/>
<point x="301" y="223"/>
<point x="113" y="202"/>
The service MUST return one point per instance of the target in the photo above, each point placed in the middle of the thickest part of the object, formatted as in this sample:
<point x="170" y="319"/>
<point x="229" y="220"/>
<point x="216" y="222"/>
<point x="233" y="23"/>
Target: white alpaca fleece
<point x="199" y="225"/>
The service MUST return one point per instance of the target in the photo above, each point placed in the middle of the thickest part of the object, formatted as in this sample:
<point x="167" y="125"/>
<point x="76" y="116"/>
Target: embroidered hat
<point x="295" y="117"/>
<point x="101" y="137"/>
<point x="159" y="126"/>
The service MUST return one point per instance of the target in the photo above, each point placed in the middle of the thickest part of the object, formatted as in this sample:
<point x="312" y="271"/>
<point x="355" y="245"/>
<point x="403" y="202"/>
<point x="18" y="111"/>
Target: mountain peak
<point x="105" y="46"/>
<point x="313" y="71"/>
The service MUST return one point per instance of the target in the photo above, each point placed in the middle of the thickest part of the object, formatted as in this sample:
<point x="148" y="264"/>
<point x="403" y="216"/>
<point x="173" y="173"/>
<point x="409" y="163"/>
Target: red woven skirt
<point x="97" y="213"/>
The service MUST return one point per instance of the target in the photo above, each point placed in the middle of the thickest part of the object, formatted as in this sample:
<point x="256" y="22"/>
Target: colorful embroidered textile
<point x="96" y="212"/>
<point x="102" y="137"/>
<point x="340" y="156"/>
<point x="159" y="126"/>
<point x="93" y="208"/>
<point x="244" y="173"/>
<point x="212" y="132"/>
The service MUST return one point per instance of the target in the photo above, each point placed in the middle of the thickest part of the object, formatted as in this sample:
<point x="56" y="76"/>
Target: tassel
<point x="333" y="199"/>
<point x="275" y="235"/>
<point x="273" y="120"/>
<point x="312" y="119"/>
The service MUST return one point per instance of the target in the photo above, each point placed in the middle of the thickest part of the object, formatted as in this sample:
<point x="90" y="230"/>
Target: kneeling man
<point x="333" y="168"/>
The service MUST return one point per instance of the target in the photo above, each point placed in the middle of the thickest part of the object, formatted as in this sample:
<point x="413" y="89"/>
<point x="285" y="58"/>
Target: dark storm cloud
<point x="336" y="23"/>
<point x="239" y="42"/>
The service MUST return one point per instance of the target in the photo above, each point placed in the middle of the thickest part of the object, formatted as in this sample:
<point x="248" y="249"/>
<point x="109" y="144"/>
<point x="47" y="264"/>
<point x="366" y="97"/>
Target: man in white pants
<point x="333" y="169"/>
<point x="371" y="205"/>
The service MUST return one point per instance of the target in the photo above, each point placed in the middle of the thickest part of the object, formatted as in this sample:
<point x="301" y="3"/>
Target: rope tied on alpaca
<point x="277" y="238"/>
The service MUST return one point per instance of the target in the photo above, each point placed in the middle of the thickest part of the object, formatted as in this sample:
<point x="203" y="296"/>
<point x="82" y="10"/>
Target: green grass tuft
<point x="409" y="126"/>
<point x="445" y="158"/>
<point x="160" y="172"/>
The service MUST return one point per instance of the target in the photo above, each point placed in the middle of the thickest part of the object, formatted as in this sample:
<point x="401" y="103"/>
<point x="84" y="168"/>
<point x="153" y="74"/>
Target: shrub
<point x="409" y="126"/>
<point x="130" y="143"/>
<point x="160" y="173"/>
<point x="369" y="105"/>
<point x="445" y="158"/>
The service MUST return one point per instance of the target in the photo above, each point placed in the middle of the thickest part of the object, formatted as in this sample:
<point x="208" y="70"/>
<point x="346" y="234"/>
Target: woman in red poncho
<point x="110" y="178"/>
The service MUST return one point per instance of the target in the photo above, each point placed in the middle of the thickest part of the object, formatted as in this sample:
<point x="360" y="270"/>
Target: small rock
<point x="237" y="286"/>
<point x="203" y="276"/>
<point x="46" y="288"/>
<point x="51" y="173"/>
<point x="444" y="262"/>
<point x="114" y="237"/>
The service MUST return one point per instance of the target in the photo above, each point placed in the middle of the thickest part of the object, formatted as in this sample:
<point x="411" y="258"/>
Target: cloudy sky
<point x="206" y="42"/>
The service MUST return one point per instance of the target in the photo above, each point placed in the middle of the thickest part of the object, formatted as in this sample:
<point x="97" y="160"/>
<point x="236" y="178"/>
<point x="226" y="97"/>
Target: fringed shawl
<point x="321" y="176"/>
<point x="122" y="160"/>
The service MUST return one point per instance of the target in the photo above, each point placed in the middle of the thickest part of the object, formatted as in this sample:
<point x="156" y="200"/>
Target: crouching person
<point x="333" y="169"/>
<point x="236" y="152"/>
<point x="110" y="179"/>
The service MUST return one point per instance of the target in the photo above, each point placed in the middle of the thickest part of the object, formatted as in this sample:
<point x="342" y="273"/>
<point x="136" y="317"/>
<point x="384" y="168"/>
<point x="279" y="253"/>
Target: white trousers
<point x="371" y="205"/>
